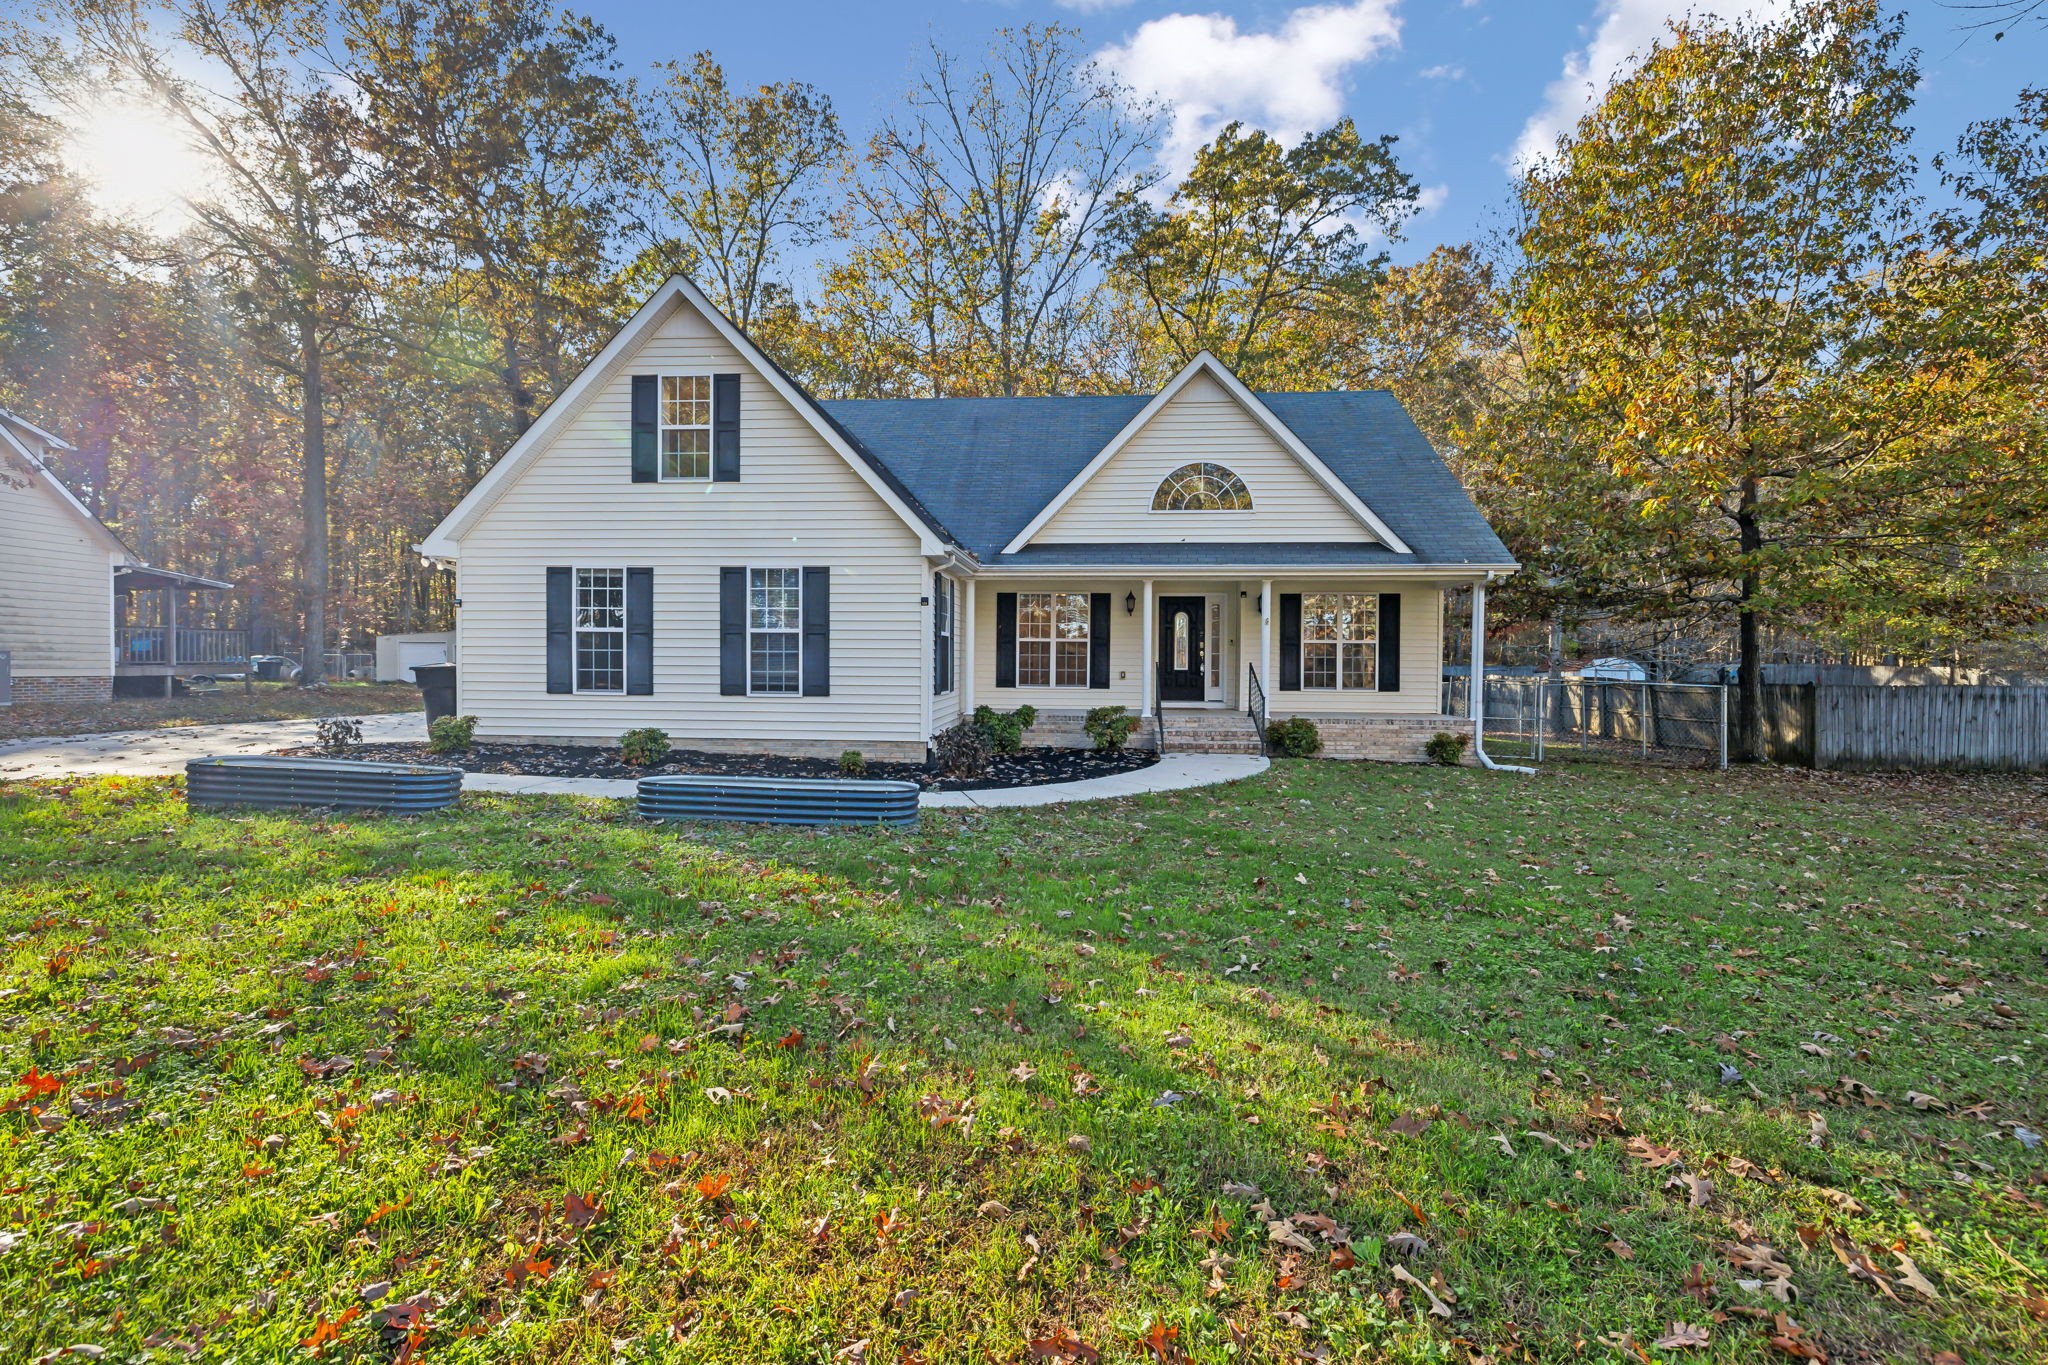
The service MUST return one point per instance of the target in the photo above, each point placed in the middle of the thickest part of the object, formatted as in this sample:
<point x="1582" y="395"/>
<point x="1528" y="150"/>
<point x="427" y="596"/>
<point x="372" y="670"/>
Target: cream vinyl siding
<point x="1422" y="652"/>
<point x="796" y="504"/>
<point x="1202" y="422"/>
<point x="57" y="609"/>
<point x="1126" y="657"/>
<point x="946" y="705"/>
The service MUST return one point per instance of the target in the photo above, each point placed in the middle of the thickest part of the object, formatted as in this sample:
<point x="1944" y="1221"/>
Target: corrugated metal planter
<point x="778" y="800"/>
<point x="274" y="780"/>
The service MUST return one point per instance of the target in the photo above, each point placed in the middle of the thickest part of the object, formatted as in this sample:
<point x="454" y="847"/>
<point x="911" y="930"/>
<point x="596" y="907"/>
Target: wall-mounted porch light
<point x="1130" y="604"/>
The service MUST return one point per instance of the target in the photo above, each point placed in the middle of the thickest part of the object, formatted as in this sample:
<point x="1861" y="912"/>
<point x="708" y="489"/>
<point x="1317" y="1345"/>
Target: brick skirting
<point x="72" y="691"/>
<point x="1384" y="739"/>
<point x="879" y="750"/>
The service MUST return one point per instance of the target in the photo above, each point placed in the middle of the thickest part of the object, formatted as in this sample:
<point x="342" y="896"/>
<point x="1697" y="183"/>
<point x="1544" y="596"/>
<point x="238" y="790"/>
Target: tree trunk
<point x="1749" y="677"/>
<point x="313" y="501"/>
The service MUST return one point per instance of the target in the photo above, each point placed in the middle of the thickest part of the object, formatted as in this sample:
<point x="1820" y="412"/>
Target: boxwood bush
<point x="1295" y="737"/>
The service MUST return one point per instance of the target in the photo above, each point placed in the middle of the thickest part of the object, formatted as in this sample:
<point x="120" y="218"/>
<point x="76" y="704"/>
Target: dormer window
<point x="1202" y="487"/>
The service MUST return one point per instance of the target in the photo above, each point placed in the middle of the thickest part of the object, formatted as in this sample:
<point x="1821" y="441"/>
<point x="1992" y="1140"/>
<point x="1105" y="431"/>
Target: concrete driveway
<point x="154" y="753"/>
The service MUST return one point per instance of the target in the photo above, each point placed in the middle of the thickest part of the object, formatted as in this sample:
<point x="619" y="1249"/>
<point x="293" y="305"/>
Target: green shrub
<point x="962" y="750"/>
<point x="852" y="764"/>
<point x="644" y="747"/>
<point x="451" y="734"/>
<point x="1295" y="737"/>
<point x="1005" y="729"/>
<point x="1109" y="727"/>
<point x="1446" y="748"/>
<point x="338" y="736"/>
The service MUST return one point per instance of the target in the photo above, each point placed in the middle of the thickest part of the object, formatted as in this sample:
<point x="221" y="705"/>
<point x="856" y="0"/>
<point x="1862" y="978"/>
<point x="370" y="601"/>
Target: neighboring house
<point x="69" y="591"/>
<point x="686" y="539"/>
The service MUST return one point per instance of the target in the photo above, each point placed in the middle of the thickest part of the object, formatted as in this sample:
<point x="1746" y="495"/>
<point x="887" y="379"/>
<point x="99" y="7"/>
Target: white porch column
<point x="1475" y="686"/>
<point x="1148" y="647"/>
<point x="1266" y="679"/>
<point x="967" y="664"/>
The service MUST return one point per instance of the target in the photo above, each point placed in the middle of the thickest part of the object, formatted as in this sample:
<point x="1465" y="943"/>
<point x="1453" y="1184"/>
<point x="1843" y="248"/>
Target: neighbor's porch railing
<point x="160" y="645"/>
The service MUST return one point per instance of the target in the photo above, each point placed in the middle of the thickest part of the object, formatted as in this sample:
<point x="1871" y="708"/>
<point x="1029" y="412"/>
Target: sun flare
<point x="139" y="163"/>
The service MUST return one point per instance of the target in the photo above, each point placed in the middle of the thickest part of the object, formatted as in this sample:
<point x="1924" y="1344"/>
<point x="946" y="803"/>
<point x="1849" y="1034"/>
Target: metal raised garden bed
<point x="275" y="780"/>
<point x="778" y="800"/>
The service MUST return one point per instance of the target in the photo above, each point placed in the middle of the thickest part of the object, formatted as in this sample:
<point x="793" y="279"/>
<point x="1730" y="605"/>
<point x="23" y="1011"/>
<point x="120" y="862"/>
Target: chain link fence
<point x="1535" y="717"/>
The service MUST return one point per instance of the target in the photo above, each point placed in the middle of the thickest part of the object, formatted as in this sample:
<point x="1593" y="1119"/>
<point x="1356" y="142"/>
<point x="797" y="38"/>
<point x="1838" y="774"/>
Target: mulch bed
<point x="1031" y="768"/>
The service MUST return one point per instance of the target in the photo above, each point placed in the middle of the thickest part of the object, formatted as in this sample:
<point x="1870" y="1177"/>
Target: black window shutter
<point x="561" y="645"/>
<point x="732" y="632"/>
<point x="1290" y="642"/>
<point x="639" y="632"/>
<point x="725" y="428"/>
<point x="817" y="659"/>
<point x="1390" y="642"/>
<point x="1006" y="639"/>
<point x="646" y="420"/>
<point x="1098" y="639"/>
<point x="942" y="654"/>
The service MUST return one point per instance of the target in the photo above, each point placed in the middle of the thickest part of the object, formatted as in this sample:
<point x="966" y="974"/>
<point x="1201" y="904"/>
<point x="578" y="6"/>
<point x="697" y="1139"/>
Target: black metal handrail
<point x="1159" y="712"/>
<point x="1255" y="706"/>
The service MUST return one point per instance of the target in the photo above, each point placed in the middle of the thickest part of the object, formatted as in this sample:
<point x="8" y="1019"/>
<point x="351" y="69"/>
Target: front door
<point x="1183" y="651"/>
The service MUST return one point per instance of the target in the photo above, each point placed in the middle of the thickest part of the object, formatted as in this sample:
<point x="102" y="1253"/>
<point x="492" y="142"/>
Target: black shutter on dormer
<point x="1390" y="642"/>
<point x="646" y="422"/>
<point x="725" y="428"/>
<point x="1290" y="642"/>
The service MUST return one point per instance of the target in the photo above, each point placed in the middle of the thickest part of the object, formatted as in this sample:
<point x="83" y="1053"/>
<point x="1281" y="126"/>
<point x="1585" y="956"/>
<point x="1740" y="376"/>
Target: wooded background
<point x="1730" y="362"/>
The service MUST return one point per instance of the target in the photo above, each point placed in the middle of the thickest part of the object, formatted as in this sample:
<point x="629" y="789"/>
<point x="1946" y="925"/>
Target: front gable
<point x="1205" y="416"/>
<point x="576" y="463"/>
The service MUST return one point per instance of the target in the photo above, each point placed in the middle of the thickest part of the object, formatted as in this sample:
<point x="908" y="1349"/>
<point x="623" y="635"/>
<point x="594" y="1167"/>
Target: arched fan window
<point x="1202" y="487"/>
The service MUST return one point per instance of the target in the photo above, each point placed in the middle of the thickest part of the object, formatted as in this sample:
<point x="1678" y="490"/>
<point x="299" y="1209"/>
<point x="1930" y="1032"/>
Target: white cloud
<point x="1289" y="81"/>
<point x="1624" y="30"/>
<point x="1442" y="72"/>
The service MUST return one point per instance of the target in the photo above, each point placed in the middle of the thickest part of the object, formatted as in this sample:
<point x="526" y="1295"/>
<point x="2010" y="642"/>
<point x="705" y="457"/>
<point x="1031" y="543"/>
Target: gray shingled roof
<point x="984" y="467"/>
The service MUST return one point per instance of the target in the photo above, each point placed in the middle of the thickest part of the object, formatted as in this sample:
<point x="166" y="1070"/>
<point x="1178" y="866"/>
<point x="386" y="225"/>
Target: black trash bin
<point x="437" y="686"/>
<point x="270" y="667"/>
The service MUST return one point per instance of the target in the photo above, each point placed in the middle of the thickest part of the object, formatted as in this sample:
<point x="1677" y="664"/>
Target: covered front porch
<point x="1206" y="659"/>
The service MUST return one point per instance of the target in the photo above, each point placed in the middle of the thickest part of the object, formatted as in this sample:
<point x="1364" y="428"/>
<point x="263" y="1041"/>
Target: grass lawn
<point x="1345" y="1063"/>
<point x="263" y="701"/>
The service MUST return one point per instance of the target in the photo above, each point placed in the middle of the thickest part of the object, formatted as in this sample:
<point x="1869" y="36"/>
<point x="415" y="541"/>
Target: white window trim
<point x="1201" y="511"/>
<point x="796" y="569"/>
<point x="661" y="425"/>
<point x="1053" y="657"/>
<point x="950" y="593"/>
<point x="576" y="632"/>
<point x="1370" y="646"/>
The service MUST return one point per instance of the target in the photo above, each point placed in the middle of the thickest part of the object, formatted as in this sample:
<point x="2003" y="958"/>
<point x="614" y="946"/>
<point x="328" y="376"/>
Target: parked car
<point x="1615" y="670"/>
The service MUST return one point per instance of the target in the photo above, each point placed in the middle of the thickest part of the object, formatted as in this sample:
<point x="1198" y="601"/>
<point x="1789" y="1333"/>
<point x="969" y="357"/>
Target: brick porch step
<point x="1210" y="732"/>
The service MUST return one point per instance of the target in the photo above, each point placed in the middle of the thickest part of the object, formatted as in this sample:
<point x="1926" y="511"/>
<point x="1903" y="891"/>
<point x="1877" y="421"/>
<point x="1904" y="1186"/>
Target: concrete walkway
<point x="155" y="753"/>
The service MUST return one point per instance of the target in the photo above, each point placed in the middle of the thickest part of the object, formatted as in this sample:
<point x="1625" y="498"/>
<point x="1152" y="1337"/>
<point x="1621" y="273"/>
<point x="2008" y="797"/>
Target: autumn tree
<point x="979" y="210"/>
<point x="1743" y="369"/>
<point x="499" y="133"/>
<point x="733" y="180"/>
<point x="1259" y="240"/>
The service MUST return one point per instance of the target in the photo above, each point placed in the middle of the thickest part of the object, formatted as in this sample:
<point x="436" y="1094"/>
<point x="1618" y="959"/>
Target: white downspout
<point x="968" y="664"/>
<point x="1475" y="690"/>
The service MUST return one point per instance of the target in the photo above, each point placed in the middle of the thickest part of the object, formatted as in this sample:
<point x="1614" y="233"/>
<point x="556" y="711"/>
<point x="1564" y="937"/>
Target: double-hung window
<point x="685" y="426"/>
<point x="942" y="635"/>
<point x="1339" y="632"/>
<point x="775" y="620"/>
<point x="600" y="630"/>
<point x="1052" y="639"/>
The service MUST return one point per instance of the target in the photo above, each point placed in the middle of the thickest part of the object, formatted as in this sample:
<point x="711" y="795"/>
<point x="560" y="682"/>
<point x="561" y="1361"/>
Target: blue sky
<point x="1463" y="83"/>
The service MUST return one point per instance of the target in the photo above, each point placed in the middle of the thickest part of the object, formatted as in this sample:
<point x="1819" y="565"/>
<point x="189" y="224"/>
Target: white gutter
<point x="1475" y="690"/>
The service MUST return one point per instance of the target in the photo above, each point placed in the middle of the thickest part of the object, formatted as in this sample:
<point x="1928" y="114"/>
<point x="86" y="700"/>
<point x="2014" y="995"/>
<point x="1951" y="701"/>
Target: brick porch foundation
<point x="72" y="691"/>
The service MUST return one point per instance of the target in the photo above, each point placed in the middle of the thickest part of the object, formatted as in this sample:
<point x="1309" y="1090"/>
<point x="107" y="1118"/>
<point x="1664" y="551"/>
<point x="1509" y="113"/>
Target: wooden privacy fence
<point x="1907" y="727"/>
